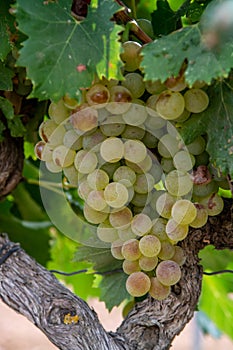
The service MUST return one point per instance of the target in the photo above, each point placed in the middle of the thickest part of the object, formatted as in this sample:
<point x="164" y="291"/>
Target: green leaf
<point x="62" y="253"/>
<point x="33" y="236"/>
<point x="113" y="290"/>
<point x="5" y="46"/>
<point x="216" y="302"/>
<point x="164" y="20"/>
<point x="71" y="52"/>
<point x="101" y="258"/>
<point x="7" y="108"/>
<point x="164" y="57"/>
<point x="217" y="122"/>
<point x="6" y="76"/>
<point x="214" y="260"/>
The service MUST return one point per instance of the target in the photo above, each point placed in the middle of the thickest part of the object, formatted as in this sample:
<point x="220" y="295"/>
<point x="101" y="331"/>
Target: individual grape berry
<point x="125" y="173"/>
<point x="63" y="156"/>
<point x="85" y="119"/>
<point x="97" y="95"/>
<point x="175" y="231"/>
<point x="167" y="250"/>
<point x="184" y="212"/>
<point x="72" y="140"/>
<point x="98" y="179"/>
<point x="213" y="203"/>
<point x="121" y="219"/>
<point x="116" y="247"/>
<point x="164" y="204"/>
<point x="144" y="183"/>
<point x="201" y="217"/>
<point x="130" y="266"/>
<point x="134" y="151"/>
<point x="149" y="246"/>
<point x="85" y="161"/>
<point x="168" y="146"/>
<point x="135" y="115"/>
<point x="183" y="161"/>
<point x="130" y="250"/>
<point x="116" y="195"/>
<point x="58" y="112"/>
<point x="141" y="224"/>
<point x="157" y="290"/>
<point x="112" y="149"/>
<point x="135" y="84"/>
<point x="94" y="216"/>
<point x="148" y="263"/>
<point x="130" y="55"/>
<point x="168" y="272"/>
<point x="179" y="256"/>
<point x="178" y="183"/>
<point x="72" y="175"/>
<point x="170" y="105"/>
<point x="138" y="284"/>
<point x="106" y="232"/>
<point x="196" y="100"/>
<point x="96" y="200"/>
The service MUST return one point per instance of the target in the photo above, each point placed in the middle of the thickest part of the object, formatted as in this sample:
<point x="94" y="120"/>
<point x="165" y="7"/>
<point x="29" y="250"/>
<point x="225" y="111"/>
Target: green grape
<point x="176" y="232"/>
<point x="130" y="55"/>
<point x="63" y="156"/>
<point x="135" y="115"/>
<point x="72" y="140"/>
<point x="168" y="272"/>
<point x="112" y="149"/>
<point x="121" y="219"/>
<point x="154" y="197"/>
<point x="179" y="256"/>
<point x="167" y="164"/>
<point x="113" y="126"/>
<point x="93" y="141"/>
<point x="134" y="151"/>
<point x="44" y="152"/>
<point x="183" y="161"/>
<point x="94" y="216"/>
<point x="52" y="167"/>
<point x="58" y="112"/>
<point x="138" y="284"/>
<point x="148" y="263"/>
<point x="84" y="189"/>
<point x="183" y="117"/>
<point x="130" y="250"/>
<point x="154" y="122"/>
<point x="156" y="171"/>
<point x="141" y="167"/>
<point x="149" y="245"/>
<point x="213" y="203"/>
<point x="133" y="132"/>
<point x="70" y="103"/>
<point x="144" y="183"/>
<point x="170" y="105"/>
<point x="157" y="290"/>
<point x="150" y="140"/>
<point x="159" y="229"/>
<point x="205" y="189"/>
<point x="72" y="175"/>
<point x="140" y="200"/>
<point x="98" y="179"/>
<point x="46" y="129"/>
<point x="141" y="224"/>
<point x="130" y="267"/>
<point x="108" y="82"/>
<point x="202" y="159"/>
<point x="96" y="200"/>
<point x="146" y="26"/>
<point x="97" y="95"/>
<point x="116" y="195"/>
<point x="134" y="83"/>
<point x="197" y="146"/>
<point x="116" y="247"/>
<point x="126" y="234"/>
<point x="196" y="100"/>
<point x="120" y="99"/>
<point x="168" y="146"/>
<point x="85" y="119"/>
<point x="176" y="83"/>
<point x="167" y="250"/>
<point x="184" y="212"/>
<point x="125" y="173"/>
<point x="164" y="204"/>
<point x="85" y="161"/>
<point x="110" y="168"/>
<point x="178" y="183"/>
<point x="106" y="232"/>
<point x="154" y="87"/>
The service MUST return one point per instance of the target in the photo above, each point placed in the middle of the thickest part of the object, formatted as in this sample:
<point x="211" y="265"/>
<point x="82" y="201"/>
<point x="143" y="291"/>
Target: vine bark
<point x="33" y="291"/>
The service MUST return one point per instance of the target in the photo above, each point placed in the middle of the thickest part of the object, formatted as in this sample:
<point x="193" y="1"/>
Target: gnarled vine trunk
<point x="33" y="291"/>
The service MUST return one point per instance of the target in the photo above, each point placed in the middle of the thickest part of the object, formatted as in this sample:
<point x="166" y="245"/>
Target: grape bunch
<point x="142" y="187"/>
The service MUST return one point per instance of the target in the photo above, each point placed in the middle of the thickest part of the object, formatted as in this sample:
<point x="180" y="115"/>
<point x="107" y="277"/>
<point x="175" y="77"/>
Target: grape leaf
<point x="112" y="289"/>
<point x="217" y="122"/>
<point x="216" y="302"/>
<point x="161" y="26"/>
<point x="164" y="57"/>
<point x="63" y="55"/>
<point x="215" y="260"/>
<point x="6" y="75"/>
<point x="5" y="46"/>
<point x="101" y="258"/>
<point x="62" y="252"/>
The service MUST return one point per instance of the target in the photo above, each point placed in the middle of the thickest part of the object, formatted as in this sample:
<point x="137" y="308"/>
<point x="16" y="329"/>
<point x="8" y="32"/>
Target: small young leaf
<point x="113" y="290"/>
<point x="164" y="20"/>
